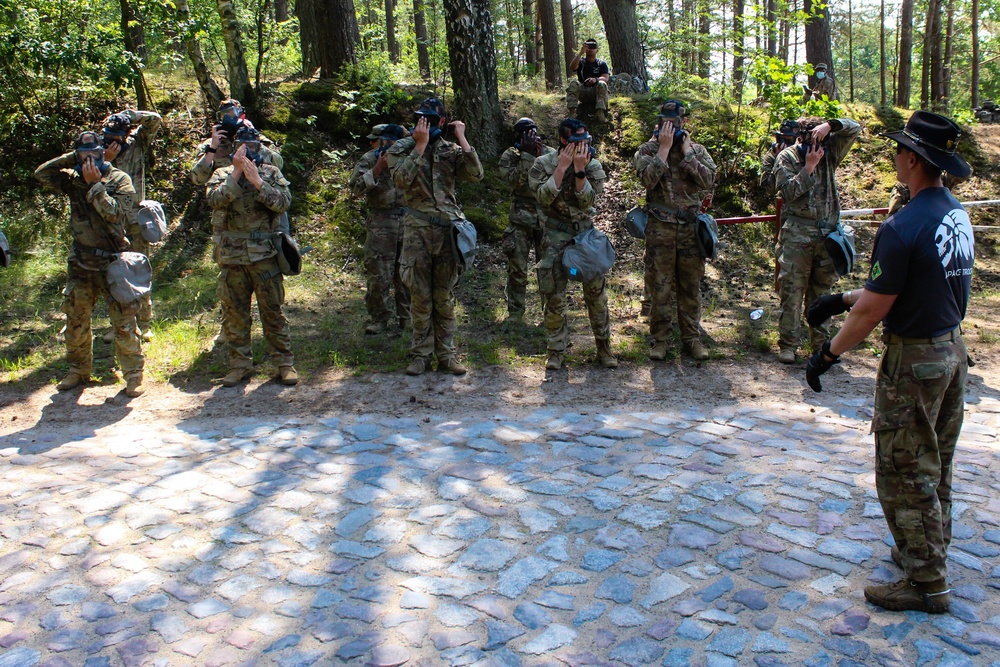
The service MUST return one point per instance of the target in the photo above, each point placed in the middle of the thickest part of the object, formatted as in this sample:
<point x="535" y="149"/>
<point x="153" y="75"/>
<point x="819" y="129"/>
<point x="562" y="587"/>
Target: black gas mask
<point x="249" y="137"/>
<point x="88" y="147"/>
<point x="231" y="118"/>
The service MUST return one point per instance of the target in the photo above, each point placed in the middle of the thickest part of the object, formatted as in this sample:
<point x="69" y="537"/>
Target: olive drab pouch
<point x="4" y="251"/>
<point x="635" y="222"/>
<point x="707" y="236"/>
<point x="465" y="238"/>
<point x="152" y="220"/>
<point x="289" y="256"/>
<point x="130" y="277"/>
<point x="840" y="246"/>
<point x="589" y="256"/>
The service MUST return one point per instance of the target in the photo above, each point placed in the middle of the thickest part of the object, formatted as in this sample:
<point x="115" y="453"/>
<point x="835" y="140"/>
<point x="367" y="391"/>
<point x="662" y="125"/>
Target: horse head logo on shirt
<point x="954" y="237"/>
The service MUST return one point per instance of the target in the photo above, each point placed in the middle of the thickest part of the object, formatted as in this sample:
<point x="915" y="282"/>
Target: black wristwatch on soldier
<point x="580" y="174"/>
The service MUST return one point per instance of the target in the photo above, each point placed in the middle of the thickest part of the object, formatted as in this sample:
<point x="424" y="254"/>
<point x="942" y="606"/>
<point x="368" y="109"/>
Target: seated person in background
<point x="591" y="83"/>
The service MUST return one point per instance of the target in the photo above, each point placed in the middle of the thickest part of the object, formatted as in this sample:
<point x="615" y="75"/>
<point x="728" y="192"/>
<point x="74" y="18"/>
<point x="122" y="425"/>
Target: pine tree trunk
<point x="818" y="48"/>
<point x="392" y="44"/>
<point x="738" y="46"/>
<point x="881" y="54"/>
<point x="569" y="32"/>
<point x="772" y="35"/>
<point x="933" y="45"/>
<point x="530" y="39"/>
<point x="550" y="45"/>
<point x="850" y="48"/>
<point x="209" y="89"/>
<point x="472" y="55"/>
<point x="925" y="69"/>
<point x="134" y="38"/>
<point x="309" y="38"/>
<point x="236" y="60"/>
<point x="704" y="39"/>
<point x="949" y="52"/>
<point x="622" y="30"/>
<point x="420" y="31"/>
<point x="974" y="93"/>
<point x="280" y="11"/>
<point x="905" y="55"/>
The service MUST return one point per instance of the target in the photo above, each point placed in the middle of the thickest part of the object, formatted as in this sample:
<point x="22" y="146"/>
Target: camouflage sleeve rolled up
<point x="468" y="167"/>
<point x="149" y="123"/>
<point x="51" y="173"/>
<point x="112" y="197"/>
<point x="202" y="169"/>
<point x="844" y="132"/>
<point x="222" y="189"/>
<point x="274" y="192"/>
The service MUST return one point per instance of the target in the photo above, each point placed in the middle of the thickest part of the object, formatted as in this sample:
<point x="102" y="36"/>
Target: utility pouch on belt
<point x="289" y="256"/>
<point x="635" y="222"/>
<point x="707" y="236"/>
<point x="129" y="276"/>
<point x="589" y="256"/>
<point x="465" y="238"/>
<point x="152" y="220"/>
<point x="840" y="245"/>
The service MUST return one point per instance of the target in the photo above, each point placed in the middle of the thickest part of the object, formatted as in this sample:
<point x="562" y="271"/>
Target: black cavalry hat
<point x="934" y="138"/>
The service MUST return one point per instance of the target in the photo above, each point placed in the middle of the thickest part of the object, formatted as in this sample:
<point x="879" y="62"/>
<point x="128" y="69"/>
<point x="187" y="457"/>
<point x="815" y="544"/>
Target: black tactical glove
<point x="817" y="365"/>
<point x="825" y="307"/>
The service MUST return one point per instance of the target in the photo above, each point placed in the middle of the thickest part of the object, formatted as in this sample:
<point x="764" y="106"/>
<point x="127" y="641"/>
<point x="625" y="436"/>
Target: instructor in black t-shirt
<point x="918" y="287"/>
<point x="591" y="83"/>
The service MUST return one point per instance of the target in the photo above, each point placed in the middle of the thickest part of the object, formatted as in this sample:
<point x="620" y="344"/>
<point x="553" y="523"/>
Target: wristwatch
<point x="210" y="150"/>
<point x="580" y="174"/>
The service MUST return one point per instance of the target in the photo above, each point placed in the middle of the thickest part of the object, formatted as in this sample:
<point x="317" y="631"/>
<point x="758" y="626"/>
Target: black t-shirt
<point x="924" y="254"/>
<point x="587" y="70"/>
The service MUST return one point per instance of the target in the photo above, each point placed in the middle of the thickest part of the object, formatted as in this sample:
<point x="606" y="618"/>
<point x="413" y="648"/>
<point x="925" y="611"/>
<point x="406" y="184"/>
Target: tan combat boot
<point x="72" y="381"/>
<point x="235" y="376"/>
<point x="417" y="366"/>
<point x="109" y="336"/>
<point x="905" y="595"/>
<point x="288" y="375"/>
<point x="133" y="386"/>
<point x="375" y="328"/>
<point x="604" y="355"/>
<point x="554" y="362"/>
<point x="787" y="356"/>
<point x="658" y="352"/>
<point x="697" y="350"/>
<point x="452" y="365"/>
<point x="147" y="332"/>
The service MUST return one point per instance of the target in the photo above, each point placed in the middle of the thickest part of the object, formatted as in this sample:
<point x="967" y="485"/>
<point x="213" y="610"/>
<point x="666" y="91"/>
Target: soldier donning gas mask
<point x="88" y="146"/>
<point x="231" y="117"/>
<point x="573" y="131"/>
<point x="527" y="135"/>
<point x="250" y="138"/>
<point x="117" y="129"/>
<point x="432" y="110"/>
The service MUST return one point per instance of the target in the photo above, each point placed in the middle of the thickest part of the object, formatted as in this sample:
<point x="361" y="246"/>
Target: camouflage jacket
<point x="825" y="86"/>
<point x="132" y="158"/>
<point x="563" y="204"/>
<point x="515" y="165"/>
<point x="813" y="198"/>
<point x="428" y="181"/>
<point x="682" y="182"/>
<point x="380" y="192"/>
<point x="767" y="171"/>
<point x="98" y="213"/>
<point x="246" y="209"/>
<point x="202" y="169"/>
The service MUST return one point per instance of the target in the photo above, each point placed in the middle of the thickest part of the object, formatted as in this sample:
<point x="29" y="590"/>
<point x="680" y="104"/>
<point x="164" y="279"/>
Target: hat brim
<point x="374" y="136"/>
<point x="954" y="164"/>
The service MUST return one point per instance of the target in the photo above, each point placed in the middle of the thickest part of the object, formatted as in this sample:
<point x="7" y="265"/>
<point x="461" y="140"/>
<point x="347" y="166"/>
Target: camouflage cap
<point x="673" y="109"/>
<point x="819" y="66"/>
<point x="377" y="131"/>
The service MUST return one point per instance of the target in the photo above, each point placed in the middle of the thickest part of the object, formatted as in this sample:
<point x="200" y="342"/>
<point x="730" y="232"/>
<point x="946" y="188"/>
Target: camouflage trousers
<point x="430" y="270"/>
<point x="239" y="283"/>
<point x="383" y="287"/>
<point x="518" y="242"/>
<point x="673" y="265"/>
<point x="919" y="407"/>
<point x="577" y="93"/>
<point x="552" y="282"/>
<point x="83" y="288"/>
<point x="805" y="272"/>
<point x="140" y="244"/>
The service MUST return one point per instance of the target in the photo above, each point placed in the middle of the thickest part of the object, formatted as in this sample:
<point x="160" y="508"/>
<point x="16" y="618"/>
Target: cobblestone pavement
<point x="702" y="537"/>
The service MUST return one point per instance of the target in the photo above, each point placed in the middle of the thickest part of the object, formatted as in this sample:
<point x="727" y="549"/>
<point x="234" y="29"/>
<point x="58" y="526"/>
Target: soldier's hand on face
<point x="112" y="150"/>
<point x="666" y="138"/>
<point x="218" y="134"/>
<point x="381" y="164"/>
<point x="814" y="154"/>
<point x="252" y="173"/>
<point x="566" y="156"/>
<point x="686" y="142"/>
<point x="238" y="158"/>
<point x="581" y="156"/>
<point x="459" y="128"/>
<point x="91" y="174"/>
<point x="820" y="132"/>
<point x="825" y="307"/>
<point x="422" y="133"/>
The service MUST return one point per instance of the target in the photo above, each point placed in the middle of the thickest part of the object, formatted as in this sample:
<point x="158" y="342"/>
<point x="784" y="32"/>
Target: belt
<point x="399" y="210"/>
<point x="893" y="339"/>
<point x="557" y="224"/>
<point x="821" y="225"/>
<point x="253" y="236"/>
<point x="681" y="215"/>
<point x="420" y="215"/>
<point x="94" y="251"/>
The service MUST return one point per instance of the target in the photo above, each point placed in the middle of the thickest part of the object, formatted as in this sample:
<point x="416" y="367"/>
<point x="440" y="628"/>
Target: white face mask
<point x="821" y="75"/>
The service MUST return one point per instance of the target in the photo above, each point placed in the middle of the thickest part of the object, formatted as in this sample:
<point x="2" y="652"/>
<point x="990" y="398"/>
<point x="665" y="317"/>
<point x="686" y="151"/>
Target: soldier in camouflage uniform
<point x="127" y="138"/>
<point x="804" y="175"/>
<point x="678" y="174"/>
<point x="384" y="238"/>
<point x="101" y="198"/>
<point x="900" y="194"/>
<point x="824" y="85"/>
<point x="566" y="184"/>
<point x="216" y="152"/>
<point x="525" y="231"/>
<point x="786" y="136"/>
<point x="250" y="196"/>
<point x="918" y="287"/>
<point x="425" y="167"/>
